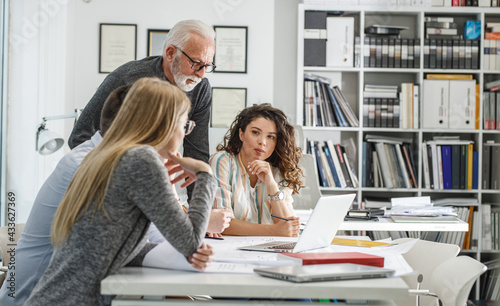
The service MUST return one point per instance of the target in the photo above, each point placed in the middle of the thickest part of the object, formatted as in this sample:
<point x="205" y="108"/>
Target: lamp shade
<point x="48" y="142"/>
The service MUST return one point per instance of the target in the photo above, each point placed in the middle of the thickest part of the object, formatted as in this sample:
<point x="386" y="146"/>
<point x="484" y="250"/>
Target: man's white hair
<point x="180" y="34"/>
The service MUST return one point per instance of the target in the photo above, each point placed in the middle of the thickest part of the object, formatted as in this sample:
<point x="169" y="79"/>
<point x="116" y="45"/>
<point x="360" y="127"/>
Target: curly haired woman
<point x="257" y="171"/>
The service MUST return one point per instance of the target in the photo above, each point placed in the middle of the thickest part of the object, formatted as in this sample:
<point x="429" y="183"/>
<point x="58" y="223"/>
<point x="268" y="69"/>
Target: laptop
<point x="326" y="272"/>
<point x="320" y="229"/>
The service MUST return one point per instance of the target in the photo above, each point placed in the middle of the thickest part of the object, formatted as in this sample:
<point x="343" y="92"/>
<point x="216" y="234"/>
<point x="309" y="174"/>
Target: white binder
<point x="435" y="104"/>
<point x="340" y="41"/>
<point x="462" y="104"/>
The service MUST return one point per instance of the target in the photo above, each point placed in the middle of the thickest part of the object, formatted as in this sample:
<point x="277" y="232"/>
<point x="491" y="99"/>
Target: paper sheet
<point x="165" y="256"/>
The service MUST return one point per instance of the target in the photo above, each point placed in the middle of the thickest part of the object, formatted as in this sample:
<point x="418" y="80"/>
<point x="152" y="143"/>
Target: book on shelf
<point x="450" y="164"/>
<point x="492" y="84"/>
<point x="383" y="108"/>
<point x="490" y="283"/>
<point x="492" y="35"/>
<point x="491" y="165"/>
<point x="325" y="105"/>
<point x="446" y="31"/>
<point x="486" y="237"/>
<point x="440" y="25"/>
<point x="438" y="19"/>
<point x="447" y="76"/>
<point x="391" y="162"/>
<point x="372" y="30"/>
<point x="333" y="165"/>
<point x="331" y="258"/>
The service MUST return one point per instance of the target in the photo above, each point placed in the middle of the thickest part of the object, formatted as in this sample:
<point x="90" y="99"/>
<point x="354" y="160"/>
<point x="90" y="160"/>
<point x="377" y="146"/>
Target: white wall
<point x="56" y="69"/>
<point x="163" y="14"/>
<point x="36" y="88"/>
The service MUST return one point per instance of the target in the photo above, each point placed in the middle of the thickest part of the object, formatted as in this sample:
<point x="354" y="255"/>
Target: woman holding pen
<point x="257" y="171"/>
<point x="119" y="188"/>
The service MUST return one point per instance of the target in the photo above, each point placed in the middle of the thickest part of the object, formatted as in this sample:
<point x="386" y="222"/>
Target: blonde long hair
<point x="148" y="116"/>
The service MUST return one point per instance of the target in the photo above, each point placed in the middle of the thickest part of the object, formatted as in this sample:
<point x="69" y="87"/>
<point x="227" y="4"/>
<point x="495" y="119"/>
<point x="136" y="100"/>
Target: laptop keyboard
<point x="289" y="246"/>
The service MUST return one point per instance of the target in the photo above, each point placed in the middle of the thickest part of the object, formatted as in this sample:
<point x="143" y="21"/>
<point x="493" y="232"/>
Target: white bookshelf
<point x="352" y="80"/>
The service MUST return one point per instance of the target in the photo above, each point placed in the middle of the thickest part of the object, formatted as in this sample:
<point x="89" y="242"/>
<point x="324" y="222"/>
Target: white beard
<point x="181" y="79"/>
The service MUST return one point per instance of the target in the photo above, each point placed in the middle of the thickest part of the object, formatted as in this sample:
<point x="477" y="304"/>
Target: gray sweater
<point x="139" y="192"/>
<point x="195" y="144"/>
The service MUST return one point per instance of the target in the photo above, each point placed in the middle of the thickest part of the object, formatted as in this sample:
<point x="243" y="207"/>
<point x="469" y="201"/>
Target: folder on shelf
<point x="462" y="100"/>
<point x="340" y="41"/>
<point x="315" y="38"/>
<point x="435" y="104"/>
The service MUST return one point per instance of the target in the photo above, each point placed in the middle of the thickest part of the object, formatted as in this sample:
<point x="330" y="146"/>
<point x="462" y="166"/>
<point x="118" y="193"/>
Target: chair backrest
<point x="453" y="279"/>
<point x="9" y="236"/>
<point x="299" y="137"/>
<point x="424" y="257"/>
<point x="308" y="196"/>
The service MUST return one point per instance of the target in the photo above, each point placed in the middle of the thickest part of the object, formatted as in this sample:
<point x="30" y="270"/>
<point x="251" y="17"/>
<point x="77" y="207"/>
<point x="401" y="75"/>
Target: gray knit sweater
<point x="139" y="192"/>
<point x="195" y="144"/>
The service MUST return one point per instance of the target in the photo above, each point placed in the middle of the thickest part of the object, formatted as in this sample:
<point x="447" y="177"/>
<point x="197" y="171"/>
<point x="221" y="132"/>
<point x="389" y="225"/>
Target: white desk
<point x="160" y="282"/>
<point x="386" y="224"/>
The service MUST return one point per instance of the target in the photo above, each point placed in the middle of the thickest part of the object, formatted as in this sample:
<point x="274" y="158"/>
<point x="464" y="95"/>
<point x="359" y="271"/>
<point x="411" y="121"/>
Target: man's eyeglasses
<point x="189" y="126"/>
<point x="197" y="66"/>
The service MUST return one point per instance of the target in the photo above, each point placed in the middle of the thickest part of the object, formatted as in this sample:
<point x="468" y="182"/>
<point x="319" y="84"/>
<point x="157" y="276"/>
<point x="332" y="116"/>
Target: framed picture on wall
<point x="226" y="104"/>
<point x="231" y="49"/>
<point x="117" y="45"/>
<point x="156" y="38"/>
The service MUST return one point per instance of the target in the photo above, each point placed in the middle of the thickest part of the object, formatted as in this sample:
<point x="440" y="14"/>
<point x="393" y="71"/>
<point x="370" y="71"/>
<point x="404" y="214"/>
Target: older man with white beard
<point x="188" y="54"/>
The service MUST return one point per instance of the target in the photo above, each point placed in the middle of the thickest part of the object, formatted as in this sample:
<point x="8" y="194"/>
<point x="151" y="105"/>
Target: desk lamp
<point x="48" y="142"/>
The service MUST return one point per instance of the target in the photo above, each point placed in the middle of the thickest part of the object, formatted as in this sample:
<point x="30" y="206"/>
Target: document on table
<point x="228" y="259"/>
<point x="165" y="256"/>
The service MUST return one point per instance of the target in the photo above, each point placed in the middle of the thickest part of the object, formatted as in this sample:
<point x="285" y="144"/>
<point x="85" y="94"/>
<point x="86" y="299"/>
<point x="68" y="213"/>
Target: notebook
<point x="320" y="229"/>
<point x="328" y="272"/>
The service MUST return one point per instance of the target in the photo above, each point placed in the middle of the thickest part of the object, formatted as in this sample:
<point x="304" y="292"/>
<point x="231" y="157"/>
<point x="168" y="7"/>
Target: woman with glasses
<point x="257" y="171"/>
<point x="120" y="187"/>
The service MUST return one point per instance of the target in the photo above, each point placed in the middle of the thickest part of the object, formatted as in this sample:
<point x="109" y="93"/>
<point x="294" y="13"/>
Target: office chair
<point x="424" y="257"/>
<point x="6" y="242"/>
<point x="308" y="196"/>
<point x="453" y="279"/>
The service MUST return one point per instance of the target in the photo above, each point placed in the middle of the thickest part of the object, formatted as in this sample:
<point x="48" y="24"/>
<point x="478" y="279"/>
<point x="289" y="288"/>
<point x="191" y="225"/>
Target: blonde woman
<point x="120" y="187"/>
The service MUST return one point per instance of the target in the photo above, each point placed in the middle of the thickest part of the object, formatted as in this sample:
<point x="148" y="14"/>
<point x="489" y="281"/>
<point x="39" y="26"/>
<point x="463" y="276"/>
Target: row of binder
<point x="491" y="165"/>
<point x="491" y="110"/>
<point x="450" y="164"/>
<point x="451" y="54"/>
<point x="384" y="52"/>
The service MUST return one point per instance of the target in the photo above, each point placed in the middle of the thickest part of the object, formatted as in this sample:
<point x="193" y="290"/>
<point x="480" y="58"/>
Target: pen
<point x="280" y="218"/>
<point x="301" y="223"/>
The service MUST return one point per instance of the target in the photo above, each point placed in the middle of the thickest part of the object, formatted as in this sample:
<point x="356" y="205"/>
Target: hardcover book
<point x="331" y="258"/>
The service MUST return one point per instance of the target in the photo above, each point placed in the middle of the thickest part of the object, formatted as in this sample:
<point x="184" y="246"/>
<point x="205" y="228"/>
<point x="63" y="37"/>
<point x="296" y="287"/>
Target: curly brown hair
<point x="286" y="155"/>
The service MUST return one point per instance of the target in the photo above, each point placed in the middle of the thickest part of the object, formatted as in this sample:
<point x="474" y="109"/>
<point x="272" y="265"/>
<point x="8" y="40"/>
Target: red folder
<point x="331" y="258"/>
